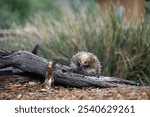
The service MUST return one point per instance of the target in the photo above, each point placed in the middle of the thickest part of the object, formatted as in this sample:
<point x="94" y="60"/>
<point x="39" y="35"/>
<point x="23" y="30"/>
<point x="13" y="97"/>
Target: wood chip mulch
<point x="13" y="88"/>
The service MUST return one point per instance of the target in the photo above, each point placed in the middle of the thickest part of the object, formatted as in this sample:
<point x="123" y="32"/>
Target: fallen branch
<point x="23" y="61"/>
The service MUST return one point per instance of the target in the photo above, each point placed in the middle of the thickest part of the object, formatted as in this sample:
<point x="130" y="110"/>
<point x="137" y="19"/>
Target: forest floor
<point x="13" y="88"/>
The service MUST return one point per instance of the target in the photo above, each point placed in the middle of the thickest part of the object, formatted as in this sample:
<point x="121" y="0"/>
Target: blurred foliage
<point x="147" y="8"/>
<point x="19" y="11"/>
<point x="74" y="25"/>
<point x="13" y="11"/>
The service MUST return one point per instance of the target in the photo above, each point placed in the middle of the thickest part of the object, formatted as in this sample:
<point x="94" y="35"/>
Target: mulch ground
<point x="13" y="87"/>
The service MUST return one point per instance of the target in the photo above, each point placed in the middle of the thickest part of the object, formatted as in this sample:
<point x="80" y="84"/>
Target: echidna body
<point x="87" y="63"/>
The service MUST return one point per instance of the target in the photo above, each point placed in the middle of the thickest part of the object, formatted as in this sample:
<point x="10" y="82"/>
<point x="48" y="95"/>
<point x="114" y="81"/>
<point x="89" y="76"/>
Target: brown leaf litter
<point x="13" y="88"/>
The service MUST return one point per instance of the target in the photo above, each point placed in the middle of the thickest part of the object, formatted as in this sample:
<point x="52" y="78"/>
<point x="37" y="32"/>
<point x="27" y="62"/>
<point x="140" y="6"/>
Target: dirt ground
<point x="13" y="88"/>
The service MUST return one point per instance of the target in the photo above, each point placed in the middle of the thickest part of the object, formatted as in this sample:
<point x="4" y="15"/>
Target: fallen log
<point x="54" y="74"/>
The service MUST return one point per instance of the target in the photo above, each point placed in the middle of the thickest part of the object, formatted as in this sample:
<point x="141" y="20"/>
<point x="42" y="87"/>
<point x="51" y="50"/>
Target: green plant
<point x="14" y="12"/>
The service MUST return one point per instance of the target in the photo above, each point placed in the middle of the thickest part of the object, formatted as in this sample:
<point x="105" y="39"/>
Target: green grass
<point x="123" y="48"/>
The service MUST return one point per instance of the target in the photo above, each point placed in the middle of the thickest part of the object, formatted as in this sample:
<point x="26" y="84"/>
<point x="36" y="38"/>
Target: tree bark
<point x="23" y="61"/>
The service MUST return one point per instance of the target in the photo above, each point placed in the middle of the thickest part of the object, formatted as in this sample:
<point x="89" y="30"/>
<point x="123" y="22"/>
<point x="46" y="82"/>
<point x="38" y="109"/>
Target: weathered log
<point x="64" y="75"/>
<point x="23" y="61"/>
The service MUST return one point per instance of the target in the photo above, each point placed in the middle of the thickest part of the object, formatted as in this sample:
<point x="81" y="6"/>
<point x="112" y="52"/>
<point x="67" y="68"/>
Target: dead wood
<point x="23" y="61"/>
